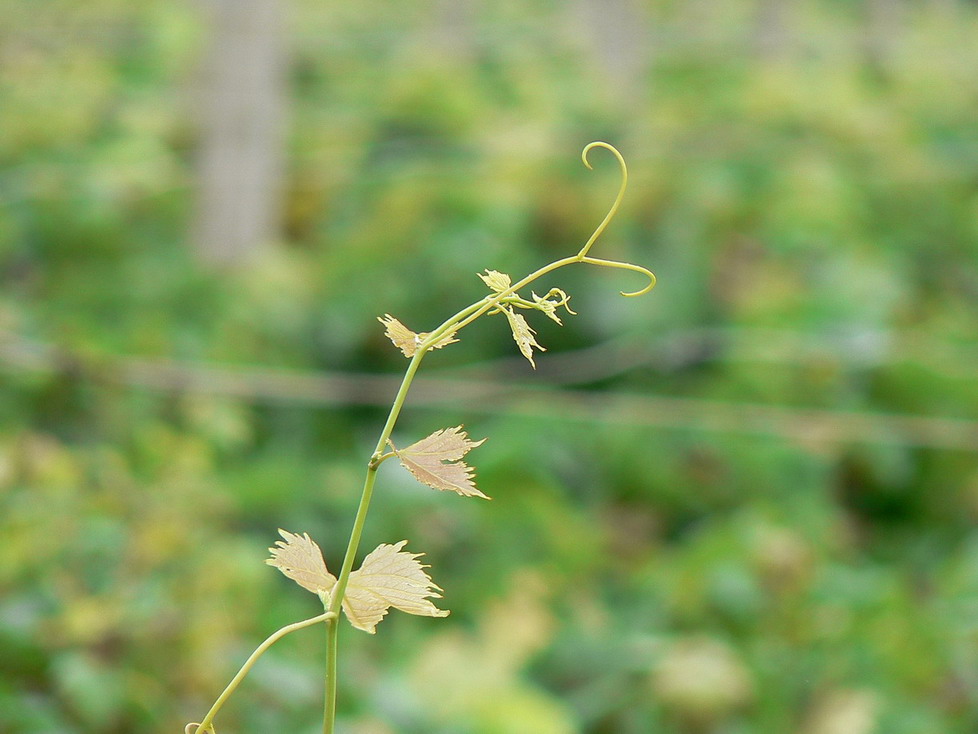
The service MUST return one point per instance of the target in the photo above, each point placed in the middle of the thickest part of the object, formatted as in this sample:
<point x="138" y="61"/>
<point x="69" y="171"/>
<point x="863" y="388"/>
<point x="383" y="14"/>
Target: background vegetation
<point x="744" y="503"/>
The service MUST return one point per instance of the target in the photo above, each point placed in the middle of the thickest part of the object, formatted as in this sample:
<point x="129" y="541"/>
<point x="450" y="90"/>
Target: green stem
<point x="205" y="726"/>
<point x="329" y="712"/>
<point x="464" y="317"/>
<point x="461" y="319"/>
<point x="368" y="484"/>
<point x="336" y="601"/>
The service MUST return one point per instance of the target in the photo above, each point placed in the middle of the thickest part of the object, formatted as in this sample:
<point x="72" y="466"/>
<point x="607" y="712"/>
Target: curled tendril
<point x="625" y="266"/>
<point x="582" y="256"/>
<point x="621" y="190"/>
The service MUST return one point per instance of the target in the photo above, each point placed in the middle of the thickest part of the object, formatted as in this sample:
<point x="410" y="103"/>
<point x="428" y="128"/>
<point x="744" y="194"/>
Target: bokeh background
<point x="745" y="503"/>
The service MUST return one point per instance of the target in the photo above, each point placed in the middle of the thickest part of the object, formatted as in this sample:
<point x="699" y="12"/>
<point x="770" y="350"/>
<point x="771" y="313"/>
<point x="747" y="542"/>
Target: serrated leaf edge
<point x="425" y="590"/>
<point x="450" y="459"/>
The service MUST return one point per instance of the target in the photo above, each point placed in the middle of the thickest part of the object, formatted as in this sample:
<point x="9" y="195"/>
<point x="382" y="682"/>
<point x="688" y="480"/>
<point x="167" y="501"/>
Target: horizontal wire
<point x="266" y="385"/>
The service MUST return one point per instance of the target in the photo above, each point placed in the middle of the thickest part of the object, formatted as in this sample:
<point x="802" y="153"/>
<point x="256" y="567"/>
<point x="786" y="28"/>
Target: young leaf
<point x="523" y="335"/>
<point x="444" y="340"/>
<point x="549" y="307"/>
<point x="408" y="341"/>
<point x="434" y="460"/>
<point x="404" y="339"/>
<point x="389" y="577"/>
<point x="495" y="280"/>
<point x="299" y="558"/>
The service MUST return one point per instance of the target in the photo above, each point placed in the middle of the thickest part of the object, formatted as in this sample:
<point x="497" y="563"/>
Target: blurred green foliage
<point x="815" y="206"/>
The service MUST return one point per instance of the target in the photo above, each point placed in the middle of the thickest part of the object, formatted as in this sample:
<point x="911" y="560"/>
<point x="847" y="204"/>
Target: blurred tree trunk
<point x="771" y="31"/>
<point x="621" y="35"/>
<point x="949" y="8"/>
<point x="242" y="111"/>
<point x="883" y="24"/>
<point x="455" y="29"/>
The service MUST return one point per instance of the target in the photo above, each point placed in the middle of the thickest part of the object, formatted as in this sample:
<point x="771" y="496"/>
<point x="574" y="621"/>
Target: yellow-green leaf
<point x="404" y="339"/>
<point x="523" y="335"/>
<point x="549" y="307"/>
<point x="445" y="339"/>
<point x="299" y="558"/>
<point x="434" y="461"/>
<point x="389" y="577"/>
<point x="408" y="341"/>
<point x="495" y="280"/>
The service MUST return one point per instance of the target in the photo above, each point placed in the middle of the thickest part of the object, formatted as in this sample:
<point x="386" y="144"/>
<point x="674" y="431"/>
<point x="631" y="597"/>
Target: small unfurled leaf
<point x="434" y="461"/>
<point x="389" y="577"/>
<point x="404" y="339"/>
<point x="549" y="307"/>
<point x="523" y="335"/>
<point x="408" y="341"/>
<point x="299" y="558"/>
<point x="495" y="280"/>
<point x="445" y="339"/>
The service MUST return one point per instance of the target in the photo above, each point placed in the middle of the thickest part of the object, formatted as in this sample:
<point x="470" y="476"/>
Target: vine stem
<point x="206" y="725"/>
<point x="453" y="324"/>
<point x="458" y="321"/>
<point x="461" y="319"/>
<point x="336" y="599"/>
